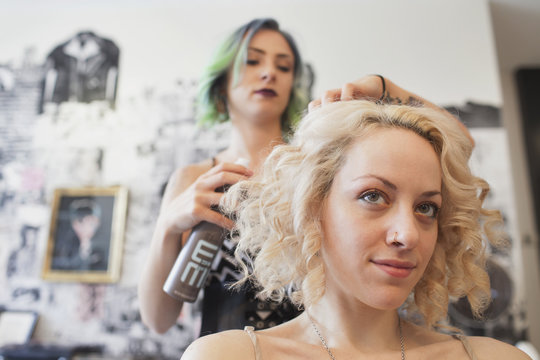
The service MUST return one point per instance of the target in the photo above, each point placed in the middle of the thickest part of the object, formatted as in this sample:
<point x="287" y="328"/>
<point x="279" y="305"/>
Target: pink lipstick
<point x="395" y="268"/>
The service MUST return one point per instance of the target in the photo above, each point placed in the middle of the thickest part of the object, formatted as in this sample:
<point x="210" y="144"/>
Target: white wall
<point x="440" y="48"/>
<point x="516" y="25"/>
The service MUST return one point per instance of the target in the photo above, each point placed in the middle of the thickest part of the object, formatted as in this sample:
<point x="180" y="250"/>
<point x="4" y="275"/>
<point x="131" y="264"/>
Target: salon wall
<point x="443" y="50"/>
<point x="514" y="22"/>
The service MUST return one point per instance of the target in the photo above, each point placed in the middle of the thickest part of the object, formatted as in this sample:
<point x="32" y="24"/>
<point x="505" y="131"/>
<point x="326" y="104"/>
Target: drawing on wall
<point x="7" y="79"/>
<point x="86" y="235"/>
<point x="22" y="259"/>
<point x="82" y="69"/>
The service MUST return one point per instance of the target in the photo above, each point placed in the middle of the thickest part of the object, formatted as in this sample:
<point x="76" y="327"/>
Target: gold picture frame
<point x="86" y="235"/>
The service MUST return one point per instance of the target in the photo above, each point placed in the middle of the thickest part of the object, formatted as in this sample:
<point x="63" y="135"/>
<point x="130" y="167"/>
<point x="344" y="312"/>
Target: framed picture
<point x="86" y="235"/>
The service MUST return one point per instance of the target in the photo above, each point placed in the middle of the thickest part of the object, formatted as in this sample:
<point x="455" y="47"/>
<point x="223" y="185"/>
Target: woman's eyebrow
<point x="392" y="186"/>
<point x="431" y="193"/>
<point x="261" y="51"/>
<point x="381" y="179"/>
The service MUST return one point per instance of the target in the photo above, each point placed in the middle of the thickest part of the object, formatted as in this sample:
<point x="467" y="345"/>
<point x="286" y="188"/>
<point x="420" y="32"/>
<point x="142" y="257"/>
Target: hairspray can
<point x="192" y="265"/>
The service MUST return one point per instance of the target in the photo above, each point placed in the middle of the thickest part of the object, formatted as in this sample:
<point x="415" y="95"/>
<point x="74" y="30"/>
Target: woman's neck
<point x="253" y="142"/>
<point x="355" y="326"/>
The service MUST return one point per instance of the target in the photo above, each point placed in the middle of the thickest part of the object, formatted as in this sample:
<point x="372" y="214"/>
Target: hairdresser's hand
<point x="369" y="87"/>
<point x="184" y="207"/>
<point x="378" y="88"/>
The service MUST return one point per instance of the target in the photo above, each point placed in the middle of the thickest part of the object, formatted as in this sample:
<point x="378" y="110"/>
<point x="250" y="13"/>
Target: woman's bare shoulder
<point x="183" y="177"/>
<point x="436" y="345"/>
<point x="226" y="345"/>
<point x="191" y="172"/>
<point x="489" y="348"/>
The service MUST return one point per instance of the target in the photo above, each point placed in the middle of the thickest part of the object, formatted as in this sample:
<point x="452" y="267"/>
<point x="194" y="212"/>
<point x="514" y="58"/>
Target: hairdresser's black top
<point x="225" y="309"/>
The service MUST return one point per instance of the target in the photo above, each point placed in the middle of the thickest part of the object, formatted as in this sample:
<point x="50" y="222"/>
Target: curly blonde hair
<point x="278" y="213"/>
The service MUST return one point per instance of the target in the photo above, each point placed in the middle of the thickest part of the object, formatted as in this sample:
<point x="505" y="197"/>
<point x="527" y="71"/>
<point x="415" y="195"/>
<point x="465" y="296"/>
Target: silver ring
<point x="394" y="240"/>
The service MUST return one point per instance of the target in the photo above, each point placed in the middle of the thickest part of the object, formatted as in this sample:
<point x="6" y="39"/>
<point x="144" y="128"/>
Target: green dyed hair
<point x="232" y="54"/>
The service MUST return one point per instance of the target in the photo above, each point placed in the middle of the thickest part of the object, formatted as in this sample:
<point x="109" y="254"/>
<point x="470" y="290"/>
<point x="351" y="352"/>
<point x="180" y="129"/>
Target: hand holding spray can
<point x="192" y="265"/>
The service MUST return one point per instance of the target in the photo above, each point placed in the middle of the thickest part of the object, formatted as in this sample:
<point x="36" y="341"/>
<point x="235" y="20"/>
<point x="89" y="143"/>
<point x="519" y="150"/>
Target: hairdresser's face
<point x="390" y="183"/>
<point x="263" y="92"/>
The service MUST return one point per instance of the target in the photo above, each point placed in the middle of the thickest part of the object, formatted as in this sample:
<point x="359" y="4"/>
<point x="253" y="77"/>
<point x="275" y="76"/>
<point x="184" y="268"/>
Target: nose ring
<point x="394" y="240"/>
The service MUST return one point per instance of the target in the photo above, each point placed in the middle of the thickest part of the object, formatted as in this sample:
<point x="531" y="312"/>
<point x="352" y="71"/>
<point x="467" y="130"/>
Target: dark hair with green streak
<point x="232" y="53"/>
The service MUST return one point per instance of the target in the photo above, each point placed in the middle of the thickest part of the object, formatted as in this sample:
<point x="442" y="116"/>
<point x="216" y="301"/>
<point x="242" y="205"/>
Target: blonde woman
<point x="370" y="208"/>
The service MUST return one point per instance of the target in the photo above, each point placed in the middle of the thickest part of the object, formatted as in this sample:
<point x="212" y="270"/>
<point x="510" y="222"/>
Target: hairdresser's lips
<point x="395" y="268"/>
<point x="266" y="93"/>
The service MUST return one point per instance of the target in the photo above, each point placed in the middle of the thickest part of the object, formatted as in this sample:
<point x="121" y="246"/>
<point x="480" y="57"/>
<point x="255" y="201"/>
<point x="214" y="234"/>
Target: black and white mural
<point x="86" y="142"/>
<point x="82" y="69"/>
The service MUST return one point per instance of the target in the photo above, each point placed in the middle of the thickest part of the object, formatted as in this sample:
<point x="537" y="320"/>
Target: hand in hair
<point x="381" y="89"/>
<point x="366" y="88"/>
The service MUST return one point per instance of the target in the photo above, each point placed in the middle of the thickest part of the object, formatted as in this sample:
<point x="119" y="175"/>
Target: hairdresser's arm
<point x="370" y="87"/>
<point x="186" y="202"/>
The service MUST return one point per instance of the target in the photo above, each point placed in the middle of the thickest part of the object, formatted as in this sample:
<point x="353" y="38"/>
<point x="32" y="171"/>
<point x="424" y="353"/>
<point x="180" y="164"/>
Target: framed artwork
<point x="86" y="235"/>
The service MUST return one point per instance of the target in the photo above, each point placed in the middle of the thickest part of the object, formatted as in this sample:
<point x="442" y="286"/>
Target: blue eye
<point x="428" y="209"/>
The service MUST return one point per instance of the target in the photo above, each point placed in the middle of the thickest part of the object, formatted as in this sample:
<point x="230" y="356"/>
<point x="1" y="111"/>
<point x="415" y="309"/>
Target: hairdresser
<point x="253" y="81"/>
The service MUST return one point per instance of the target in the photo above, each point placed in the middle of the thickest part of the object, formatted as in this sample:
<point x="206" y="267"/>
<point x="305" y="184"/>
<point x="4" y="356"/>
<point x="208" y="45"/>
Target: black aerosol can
<point x="192" y="265"/>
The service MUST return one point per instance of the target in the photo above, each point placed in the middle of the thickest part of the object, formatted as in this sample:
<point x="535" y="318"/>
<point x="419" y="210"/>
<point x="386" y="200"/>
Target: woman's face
<point x="389" y="187"/>
<point x="85" y="227"/>
<point x="266" y="80"/>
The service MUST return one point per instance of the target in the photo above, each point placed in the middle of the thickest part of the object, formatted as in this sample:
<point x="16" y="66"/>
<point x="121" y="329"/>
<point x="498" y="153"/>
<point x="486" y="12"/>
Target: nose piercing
<point x="394" y="240"/>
